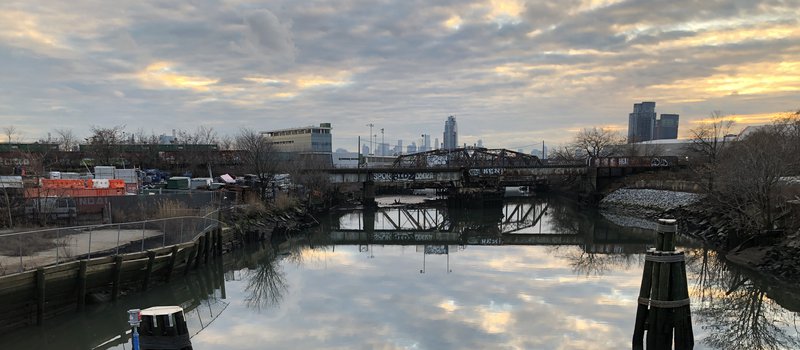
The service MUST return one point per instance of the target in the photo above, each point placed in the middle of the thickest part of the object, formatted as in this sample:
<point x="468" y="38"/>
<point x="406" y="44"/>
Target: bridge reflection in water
<point x="520" y="221"/>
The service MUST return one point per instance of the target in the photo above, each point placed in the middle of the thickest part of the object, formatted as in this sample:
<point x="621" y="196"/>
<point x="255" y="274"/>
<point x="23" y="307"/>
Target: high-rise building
<point x="450" y="133"/>
<point x="425" y="143"/>
<point x="644" y="126"/>
<point x="667" y="127"/>
<point x="642" y="122"/>
<point x="412" y="148"/>
<point x="398" y="149"/>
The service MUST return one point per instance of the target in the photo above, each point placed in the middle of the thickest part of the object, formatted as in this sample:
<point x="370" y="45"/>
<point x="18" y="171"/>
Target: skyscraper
<point x="425" y="144"/>
<point x="642" y="122"/>
<point x="644" y="126"/>
<point x="450" y="133"/>
<point x="667" y="127"/>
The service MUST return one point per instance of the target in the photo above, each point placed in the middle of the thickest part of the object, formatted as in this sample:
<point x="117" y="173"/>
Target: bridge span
<point x="465" y="170"/>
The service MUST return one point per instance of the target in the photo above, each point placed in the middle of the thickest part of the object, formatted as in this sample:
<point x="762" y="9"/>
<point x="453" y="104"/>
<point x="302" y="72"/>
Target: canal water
<point x="528" y="273"/>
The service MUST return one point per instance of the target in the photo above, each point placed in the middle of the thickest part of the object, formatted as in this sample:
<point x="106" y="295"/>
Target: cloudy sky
<point x="512" y="72"/>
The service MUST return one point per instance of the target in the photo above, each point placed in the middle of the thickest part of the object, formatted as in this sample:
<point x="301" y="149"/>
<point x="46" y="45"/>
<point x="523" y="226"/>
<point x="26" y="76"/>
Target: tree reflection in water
<point x="266" y="283"/>
<point x="736" y="310"/>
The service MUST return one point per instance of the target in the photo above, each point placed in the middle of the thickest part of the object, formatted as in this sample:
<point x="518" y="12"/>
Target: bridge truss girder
<point x="467" y="158"/>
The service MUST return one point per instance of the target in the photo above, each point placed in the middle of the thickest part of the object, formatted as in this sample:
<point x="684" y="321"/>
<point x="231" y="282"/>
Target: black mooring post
<point x="663" y="305"/>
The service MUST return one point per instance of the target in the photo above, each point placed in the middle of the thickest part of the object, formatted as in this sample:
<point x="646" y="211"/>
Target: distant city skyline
<point x="513" y="72"/>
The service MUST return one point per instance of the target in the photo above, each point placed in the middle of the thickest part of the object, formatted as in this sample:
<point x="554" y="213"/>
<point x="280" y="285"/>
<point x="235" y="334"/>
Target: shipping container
<point x="104" y="172"/>
<point x="128" y="175"/>
<point x="201" y="183"/>
<point x="11" y="182"/>
<point x="179" y="183"/>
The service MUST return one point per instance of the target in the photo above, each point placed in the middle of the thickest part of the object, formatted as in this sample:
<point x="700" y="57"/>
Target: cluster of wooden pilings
<point x="664" y="312"/>
<point x="30" y="297"/>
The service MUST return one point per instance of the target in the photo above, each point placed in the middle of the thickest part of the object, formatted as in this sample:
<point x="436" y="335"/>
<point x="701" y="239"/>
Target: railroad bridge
<point x="474" y="170"/>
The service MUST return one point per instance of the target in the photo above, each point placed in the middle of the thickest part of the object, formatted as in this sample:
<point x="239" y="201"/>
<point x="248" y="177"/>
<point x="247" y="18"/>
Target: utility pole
<point x="371" y="150"/>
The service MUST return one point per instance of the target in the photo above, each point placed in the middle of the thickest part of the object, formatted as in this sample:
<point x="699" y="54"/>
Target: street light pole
<point x="371" y="151"/>
<point x="382" y="143"/>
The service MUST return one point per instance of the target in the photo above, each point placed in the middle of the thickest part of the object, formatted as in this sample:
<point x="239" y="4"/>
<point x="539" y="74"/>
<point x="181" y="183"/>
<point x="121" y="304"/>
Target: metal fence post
<point x="89" y="255"/>
<point x="58" y="242"/>
<point x="143" y="224"/>
<point x="20" y="251"/>
<point x="119" y="228"/>
<point x="164" y="233"/>
<point x="181" y="239"/>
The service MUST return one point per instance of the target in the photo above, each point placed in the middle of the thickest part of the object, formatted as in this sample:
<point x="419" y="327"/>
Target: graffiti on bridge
<point x="487" y="171"/>
<point x="402" y="177"/>
<point x="624" y="162"/>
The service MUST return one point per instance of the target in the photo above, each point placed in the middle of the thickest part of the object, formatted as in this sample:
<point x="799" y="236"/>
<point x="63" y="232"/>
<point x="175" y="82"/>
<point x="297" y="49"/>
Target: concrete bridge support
<point x="368" y="194"/>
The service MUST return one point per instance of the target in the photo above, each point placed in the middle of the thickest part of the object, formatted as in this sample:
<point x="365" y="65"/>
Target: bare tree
<point x="258" y="158"/>
<point x="708" y="142"/>
<point x="201" y="149"/>
<point x="596" y="142"/>
<point x="66" y="139"/>
<point x="748" y="176"/>
<point x="316" y="187"/>
<point x="141" y="137"/>
<point x="226" y="143"/>
<point x="789" y="129"/>
<point x="105" y="143"/>
<point x="9" y="131"/>
<point x="562" y="153"/>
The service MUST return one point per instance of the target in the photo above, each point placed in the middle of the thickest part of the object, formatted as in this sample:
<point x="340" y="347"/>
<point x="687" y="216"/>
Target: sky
<point x="513" y="73"/>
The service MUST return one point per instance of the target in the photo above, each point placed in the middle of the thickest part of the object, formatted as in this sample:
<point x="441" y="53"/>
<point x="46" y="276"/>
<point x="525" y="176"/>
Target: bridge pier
<point x="368" y="194"/>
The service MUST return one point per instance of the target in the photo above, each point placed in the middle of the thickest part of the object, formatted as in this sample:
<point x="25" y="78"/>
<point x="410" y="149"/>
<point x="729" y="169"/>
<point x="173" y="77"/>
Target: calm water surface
<point x="530" y="274"/>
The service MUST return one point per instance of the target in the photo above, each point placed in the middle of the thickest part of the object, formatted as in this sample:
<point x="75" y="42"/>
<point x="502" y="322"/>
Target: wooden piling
<point x="151" y="257"/>
<point x="207" y="247"/>
<point x="116" y="277"/>
<point x="201" y="248"/>
<point x="663" y="311"/>
<point x="219" y="242"/>
<point x="190" y="258"/>
<point x="40" y="296"/>
<point x="82" y="285"/>
<point x="173" y="258"/>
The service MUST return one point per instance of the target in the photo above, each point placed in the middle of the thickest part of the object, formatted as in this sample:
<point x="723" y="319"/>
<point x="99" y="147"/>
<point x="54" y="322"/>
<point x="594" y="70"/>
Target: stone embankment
<point x="776" y="254"/>
<point x="642" y="207"/>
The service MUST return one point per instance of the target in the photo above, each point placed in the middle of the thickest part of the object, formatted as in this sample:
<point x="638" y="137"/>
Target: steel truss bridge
<point x="489" y="168"/>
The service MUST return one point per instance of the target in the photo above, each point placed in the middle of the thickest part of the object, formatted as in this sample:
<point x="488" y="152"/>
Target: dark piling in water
<point x="663" y="311"/>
